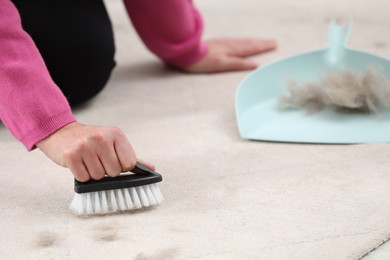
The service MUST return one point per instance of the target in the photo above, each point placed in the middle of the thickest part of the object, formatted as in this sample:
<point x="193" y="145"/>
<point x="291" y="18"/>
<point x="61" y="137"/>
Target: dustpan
<point x="260" y="118"/>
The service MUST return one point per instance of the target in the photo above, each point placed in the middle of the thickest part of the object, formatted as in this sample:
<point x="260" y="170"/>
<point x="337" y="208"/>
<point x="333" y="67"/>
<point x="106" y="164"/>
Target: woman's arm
<point x="172" y="29"/>
<point x="31" y="105"/>
<point x="37" y="113"/>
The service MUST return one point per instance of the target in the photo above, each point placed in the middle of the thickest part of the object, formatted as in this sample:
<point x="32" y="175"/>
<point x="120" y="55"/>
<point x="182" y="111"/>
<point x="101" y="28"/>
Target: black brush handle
<point x="143" y="176"/>
<point x="139" y="168"/>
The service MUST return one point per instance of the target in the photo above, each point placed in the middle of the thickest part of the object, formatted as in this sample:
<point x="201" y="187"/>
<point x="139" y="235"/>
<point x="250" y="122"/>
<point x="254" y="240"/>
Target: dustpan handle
<point x="338" y="37"/>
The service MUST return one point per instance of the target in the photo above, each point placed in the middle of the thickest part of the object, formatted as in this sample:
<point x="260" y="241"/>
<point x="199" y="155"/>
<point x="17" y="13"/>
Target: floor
<point x="381" y="253"/>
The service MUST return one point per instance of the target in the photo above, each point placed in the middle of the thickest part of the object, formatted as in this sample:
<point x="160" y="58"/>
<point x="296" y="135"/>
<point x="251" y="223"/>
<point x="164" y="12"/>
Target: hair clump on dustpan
<point x="345" y="90"/>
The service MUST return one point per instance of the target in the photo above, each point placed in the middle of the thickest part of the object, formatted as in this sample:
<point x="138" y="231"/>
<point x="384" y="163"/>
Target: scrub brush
<point x="113" y="194"/>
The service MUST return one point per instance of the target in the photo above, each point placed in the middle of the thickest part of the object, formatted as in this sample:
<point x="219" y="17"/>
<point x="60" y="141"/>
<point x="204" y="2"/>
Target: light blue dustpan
<point x="260" y="118"/>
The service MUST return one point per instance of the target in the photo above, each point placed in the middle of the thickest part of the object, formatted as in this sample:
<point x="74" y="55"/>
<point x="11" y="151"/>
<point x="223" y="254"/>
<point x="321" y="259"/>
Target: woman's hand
<point x="91" y="151"/>
<point x="228" y="54"/>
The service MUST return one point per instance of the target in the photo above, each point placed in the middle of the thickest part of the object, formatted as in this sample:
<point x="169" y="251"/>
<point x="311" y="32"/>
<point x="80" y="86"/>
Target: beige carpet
<point x="226" y="198"/>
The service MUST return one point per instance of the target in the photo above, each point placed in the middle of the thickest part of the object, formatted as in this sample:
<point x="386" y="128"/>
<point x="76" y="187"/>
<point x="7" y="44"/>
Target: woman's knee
<point x="85" y="75"/>
<point x="76" y="42"/>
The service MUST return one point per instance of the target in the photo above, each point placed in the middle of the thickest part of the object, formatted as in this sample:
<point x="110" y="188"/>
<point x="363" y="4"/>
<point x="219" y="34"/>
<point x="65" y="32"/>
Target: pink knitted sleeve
<point x="31" y="105"/>
<point x="171" y="29"/>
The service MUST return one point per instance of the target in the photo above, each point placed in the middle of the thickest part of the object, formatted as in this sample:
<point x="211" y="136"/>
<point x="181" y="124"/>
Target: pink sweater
<point x="31" y="105"/>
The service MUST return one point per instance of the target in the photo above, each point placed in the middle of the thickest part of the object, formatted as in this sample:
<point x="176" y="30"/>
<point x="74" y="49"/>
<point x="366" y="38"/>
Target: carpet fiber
<point x="226" y="198"/>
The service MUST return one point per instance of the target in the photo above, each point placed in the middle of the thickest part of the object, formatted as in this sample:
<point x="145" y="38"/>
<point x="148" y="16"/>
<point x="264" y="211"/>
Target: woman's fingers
<point x="246" y="47"/>
<point x="76" y="165"/>
<point x="234" y="64"/>
<point x="108" y="158"/>
<point x="95" y="168"/>
<point x="228" y="54"/>
<point x="224" y="64"/>
<point x="125" y="152"/>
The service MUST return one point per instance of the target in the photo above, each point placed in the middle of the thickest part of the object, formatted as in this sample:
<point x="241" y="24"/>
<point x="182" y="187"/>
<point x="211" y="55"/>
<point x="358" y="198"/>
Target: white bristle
<point x="104" y="201"/>
<point x="88" y="203"/>
<point x="109" y="201"/>
<point x="128" y="200"/>
<point x="159" y="193"/>
<point x="77" y="204"/>
<point x="156" y="192"/>
<point x="97" y="204"/>
<point x="120" y="200"/>
<point x="142" y="196"/>
<point x="149" y="193"/>
<point x="113" y="204"/>
<point x="135" y="198"/>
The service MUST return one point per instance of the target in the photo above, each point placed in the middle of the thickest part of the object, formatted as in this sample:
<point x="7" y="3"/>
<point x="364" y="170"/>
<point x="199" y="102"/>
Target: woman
<point x="54" y="55"/>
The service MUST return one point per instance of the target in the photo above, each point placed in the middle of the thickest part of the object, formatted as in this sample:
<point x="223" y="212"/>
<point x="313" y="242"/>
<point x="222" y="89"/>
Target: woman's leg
<point x="76" y="41"/>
